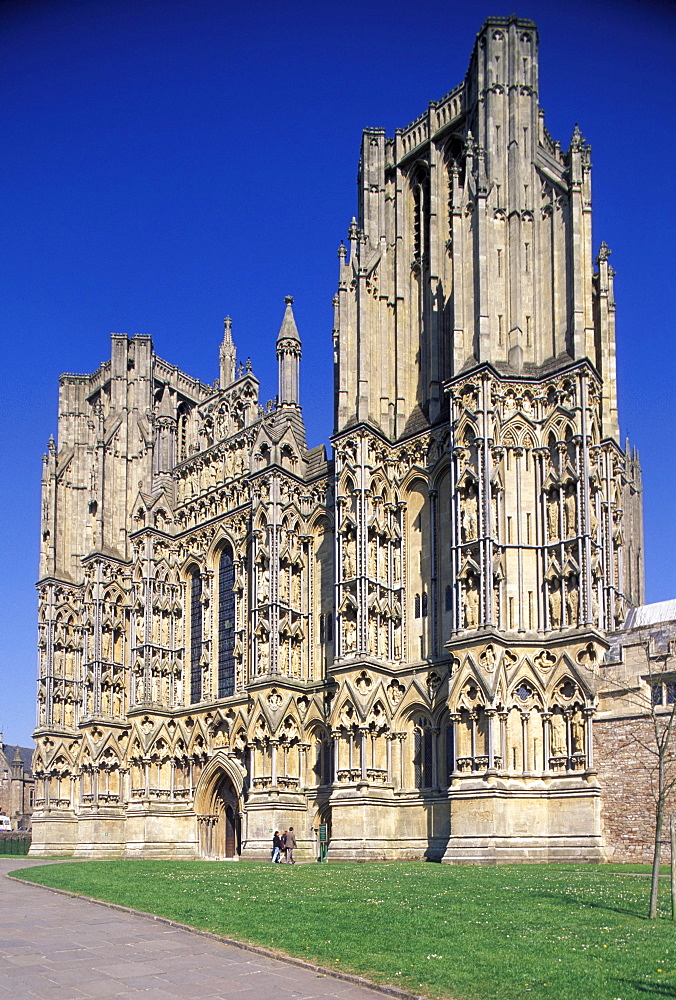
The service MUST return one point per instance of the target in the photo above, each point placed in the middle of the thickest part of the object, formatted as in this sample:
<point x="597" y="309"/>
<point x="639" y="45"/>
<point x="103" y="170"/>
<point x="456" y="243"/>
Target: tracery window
<point x="416" y="606"/>
<point x="226" y="624"/>
<point x="195" y="636"/>
<point x="422" y="754"/>
<point x="424" y="604"/>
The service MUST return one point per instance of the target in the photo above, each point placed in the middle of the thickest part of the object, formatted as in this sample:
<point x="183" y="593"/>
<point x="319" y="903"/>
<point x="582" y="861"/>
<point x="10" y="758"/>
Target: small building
<point x="16" y="784"/>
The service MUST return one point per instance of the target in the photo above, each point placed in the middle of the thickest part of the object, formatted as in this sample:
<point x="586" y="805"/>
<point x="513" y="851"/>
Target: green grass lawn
<point x="568" y="932"/>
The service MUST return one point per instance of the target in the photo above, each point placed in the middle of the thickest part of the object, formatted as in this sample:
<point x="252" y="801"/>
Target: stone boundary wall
<point x="628" y="804"/>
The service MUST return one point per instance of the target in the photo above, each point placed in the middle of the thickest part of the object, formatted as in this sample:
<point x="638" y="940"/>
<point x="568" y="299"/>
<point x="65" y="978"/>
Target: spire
<point x="228" y="354"/>
<point x="288" y="357"/>
<point x="288" y="330"/>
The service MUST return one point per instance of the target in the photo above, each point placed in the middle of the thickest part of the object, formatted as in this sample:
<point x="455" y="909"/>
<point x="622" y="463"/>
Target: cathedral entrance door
<point x="220" y="827"/>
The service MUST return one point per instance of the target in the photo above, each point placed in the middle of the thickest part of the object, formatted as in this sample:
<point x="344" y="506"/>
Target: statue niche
<point x="471" y="602"/>
<point x="469" y="514"/>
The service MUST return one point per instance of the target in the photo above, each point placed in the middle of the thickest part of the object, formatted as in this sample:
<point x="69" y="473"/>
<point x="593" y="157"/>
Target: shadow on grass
<point x="650" y="989"/>
<point x="594" y="905"/>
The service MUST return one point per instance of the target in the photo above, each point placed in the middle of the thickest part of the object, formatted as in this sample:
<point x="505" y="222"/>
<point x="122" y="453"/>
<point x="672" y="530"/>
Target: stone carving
<point x="471" y="602"/>
<point x="544" y="660"/>
<point x="572" y="602"/>
<point x="555" y="603"/>
<point x="468" y="514"/>
<point x="570" y="511"/>
<point x="577" y="733"/>
<point x="487" y="658"/>
<point x="395" y="692"/>
<point x="350" y="635"/>
<point x="349" y="563"/>
<point x="553" y="515"/>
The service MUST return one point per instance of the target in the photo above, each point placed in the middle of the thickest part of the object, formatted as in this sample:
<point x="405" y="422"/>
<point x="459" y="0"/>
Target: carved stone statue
<point x="570" y="512"/>
<point x="264" y="585"/>
<point x="373" y="635"/>
<point x="295" y="659"/>
<point x="558" y="736"/>
<point x="373" y="558"/>
<point x="468" y="515"/>
<point x="555" y="603"/>
<point x="572" y="603"/>
<point x="577" y="733"/>
<point x="349" y="553"/>
<point x="396" y="563"/>
<point x="263" y="658"/>
<point x="471" y="602"/>
<point x="295" y="589"/>
<point x="350" y="635"/>
<point x="553" y="516"/>
<point x="384" y="651"/>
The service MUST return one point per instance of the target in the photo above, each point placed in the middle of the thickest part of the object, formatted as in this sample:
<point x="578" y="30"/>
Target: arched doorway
<point x="219" y="823"/>
<point x="323" y="819"/>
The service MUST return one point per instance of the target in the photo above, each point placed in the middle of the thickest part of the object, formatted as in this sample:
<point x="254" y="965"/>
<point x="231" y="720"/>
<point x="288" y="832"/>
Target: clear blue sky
<point x="167" y="162"/>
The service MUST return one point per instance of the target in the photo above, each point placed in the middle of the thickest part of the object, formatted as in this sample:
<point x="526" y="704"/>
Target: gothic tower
<point x="401" y="644"/>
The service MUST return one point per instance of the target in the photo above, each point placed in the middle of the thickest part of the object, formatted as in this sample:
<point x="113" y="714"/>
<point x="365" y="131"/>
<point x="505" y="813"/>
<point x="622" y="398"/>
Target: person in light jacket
<point x="290" y="844"/>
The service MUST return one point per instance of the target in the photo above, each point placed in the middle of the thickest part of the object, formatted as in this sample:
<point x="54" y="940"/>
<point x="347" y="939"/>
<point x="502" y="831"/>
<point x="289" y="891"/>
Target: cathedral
<point x="396" y="646"/>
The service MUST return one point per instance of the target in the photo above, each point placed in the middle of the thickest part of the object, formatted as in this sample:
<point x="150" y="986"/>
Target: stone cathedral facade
<point x="401" y="641"/>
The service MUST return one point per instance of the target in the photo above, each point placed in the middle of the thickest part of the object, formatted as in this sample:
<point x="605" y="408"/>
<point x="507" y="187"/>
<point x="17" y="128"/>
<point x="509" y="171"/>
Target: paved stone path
<point x="55" y="947"/>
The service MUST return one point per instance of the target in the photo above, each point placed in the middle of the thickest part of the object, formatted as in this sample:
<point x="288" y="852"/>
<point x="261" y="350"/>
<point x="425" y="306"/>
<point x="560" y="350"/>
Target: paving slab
<point x="59" y="947"/>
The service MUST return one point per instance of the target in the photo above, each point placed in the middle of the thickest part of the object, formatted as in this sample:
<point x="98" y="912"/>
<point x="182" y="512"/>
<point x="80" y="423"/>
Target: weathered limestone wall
<point x="626" y="775"/>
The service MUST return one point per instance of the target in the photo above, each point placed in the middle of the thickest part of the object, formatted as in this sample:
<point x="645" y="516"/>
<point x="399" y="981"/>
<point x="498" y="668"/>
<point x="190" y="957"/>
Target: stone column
<point x="546" y="728"/>
<point x="569" y="741"/>
<point x="588" y="714"/>
<point x="273" y="762"/>
<point x="491" y="752"/>
<point x="335" y="735"/>
<point x="472" y="717"/>
<point x="524" y="741"/>
<point x="503" y="740"/>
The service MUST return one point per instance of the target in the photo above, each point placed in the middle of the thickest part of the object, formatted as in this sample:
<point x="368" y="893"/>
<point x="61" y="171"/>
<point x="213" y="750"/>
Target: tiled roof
<point x="651" y="614"/>
<point x="26" y="754"/>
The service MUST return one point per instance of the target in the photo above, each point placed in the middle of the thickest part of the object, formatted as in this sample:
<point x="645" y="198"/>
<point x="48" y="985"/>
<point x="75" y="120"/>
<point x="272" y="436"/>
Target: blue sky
<point x="168" y="162"/>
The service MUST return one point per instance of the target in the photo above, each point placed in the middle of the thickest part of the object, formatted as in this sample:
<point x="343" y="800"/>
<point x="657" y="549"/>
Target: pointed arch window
<point x="422" y="753"/>
<point x="226" y="624"/>
<point x="195" y="636"/>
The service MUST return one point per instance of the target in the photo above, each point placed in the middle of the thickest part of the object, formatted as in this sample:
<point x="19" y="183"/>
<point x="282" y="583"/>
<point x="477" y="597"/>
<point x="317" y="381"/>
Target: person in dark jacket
<point x="290" y="844"/>
<point x="276" y="848"/>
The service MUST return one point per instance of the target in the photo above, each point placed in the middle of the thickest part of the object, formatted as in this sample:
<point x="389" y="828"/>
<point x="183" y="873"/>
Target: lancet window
<point x="422" y="753"/>
<point x="226" y="624"/>
<point x="195" y="636"/>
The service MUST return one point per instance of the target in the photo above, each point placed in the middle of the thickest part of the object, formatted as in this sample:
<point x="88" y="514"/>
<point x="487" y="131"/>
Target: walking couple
<point x="285" y="845"/>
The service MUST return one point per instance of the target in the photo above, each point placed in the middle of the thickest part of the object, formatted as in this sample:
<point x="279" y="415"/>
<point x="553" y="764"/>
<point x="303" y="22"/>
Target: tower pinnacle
<point x="228" y="354"/>
<point x="288" y="356"/>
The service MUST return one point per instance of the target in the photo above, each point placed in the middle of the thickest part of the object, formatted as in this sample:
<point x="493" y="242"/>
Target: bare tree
<point x="654" y="696"/>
